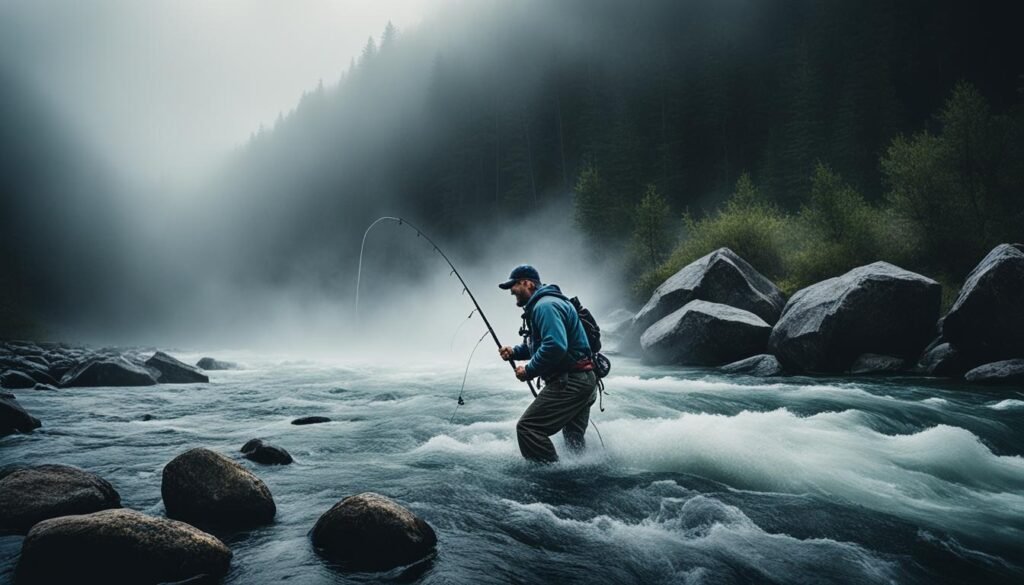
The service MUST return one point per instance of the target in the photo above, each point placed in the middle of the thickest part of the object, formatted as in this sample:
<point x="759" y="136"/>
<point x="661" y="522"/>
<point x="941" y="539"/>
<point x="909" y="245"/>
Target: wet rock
<point x="33" y="494"/>
<point x="208" y="363"/>
<point x="260" y="452"/>
<point x="1002" y="373"/>
<point x="873" y="363"/>
<point x="44" y="387"/>
<point x="147" y="417"/>
<point x="987" y="318"/>
<point x="173" y="371"/>
<point x="720" y="277"/>
<point x="764" y="365"/>
<point x="206" y="488"/>
<point x="118" y="546"/>
<point x="15" y="380"/>
<point x="705" y="334"/>
<point x="943" y="360"/>
<point x="14" y="418"/>
<point x="310" y="420"/>
<point x="878" y="308"/>
<point x="369" y="532"/>
<point x="112" y="371"/>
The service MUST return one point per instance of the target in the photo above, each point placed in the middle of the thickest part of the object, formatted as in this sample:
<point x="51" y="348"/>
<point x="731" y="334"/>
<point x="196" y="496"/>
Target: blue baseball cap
<point x="521" y="272"/>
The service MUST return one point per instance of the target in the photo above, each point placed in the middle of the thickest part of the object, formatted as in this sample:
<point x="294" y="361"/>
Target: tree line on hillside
<point x="657" y="106"/>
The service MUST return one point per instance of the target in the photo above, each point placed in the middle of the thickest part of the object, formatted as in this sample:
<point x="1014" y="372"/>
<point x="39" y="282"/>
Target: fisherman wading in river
<point x="558" y="353"/>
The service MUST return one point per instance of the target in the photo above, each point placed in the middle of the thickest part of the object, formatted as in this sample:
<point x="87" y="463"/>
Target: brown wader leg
<point x="563" y="405"/>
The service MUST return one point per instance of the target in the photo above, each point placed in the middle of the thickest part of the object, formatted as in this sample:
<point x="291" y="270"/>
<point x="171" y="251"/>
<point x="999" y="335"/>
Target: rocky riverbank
<point x="875" y="319"/>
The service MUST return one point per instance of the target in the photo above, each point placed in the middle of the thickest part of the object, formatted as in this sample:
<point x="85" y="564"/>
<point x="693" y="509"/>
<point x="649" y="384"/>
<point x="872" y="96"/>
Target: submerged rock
<point x="310" y="420"/>
<point x="173" y="371"/>
<point x="14" y="418"/>
<point x="1006" y="372"/>
<point x="873" y="363"/>
<point x="987" y="318"/>
<point x="878" y="308"/>
<point x="705" y="334"/>
<point x="32" y="494"/>
<point x="113" y="371"/>
<point x="206" y="488"/>
<point x="260" y="452"/>
<point x="369" y="532"/>
<point x="720" y="277"/>
<point x="118" y="546"/>
<point x="764" y="365"/>
<point x="208" y="363"/>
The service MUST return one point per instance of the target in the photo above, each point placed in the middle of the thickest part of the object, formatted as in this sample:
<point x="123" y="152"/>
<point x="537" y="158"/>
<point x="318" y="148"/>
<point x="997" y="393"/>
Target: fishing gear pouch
<point x="602" y="365"/>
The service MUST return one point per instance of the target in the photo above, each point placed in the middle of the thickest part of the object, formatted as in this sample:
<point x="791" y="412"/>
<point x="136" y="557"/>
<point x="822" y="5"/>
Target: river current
<point x="701" y="477"/>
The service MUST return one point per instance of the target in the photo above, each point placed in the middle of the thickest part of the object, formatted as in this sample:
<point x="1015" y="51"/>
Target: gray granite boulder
<point x="720" y="277"/>
<point x="762" y="365"/>
<point x="15" y="380"/>
<point x="260" y="452"/>
<point x="206" y="488"/>
<point x="369" y="532"/>
<point x="174" y="371"/>
<point x="1002" y="373"/>
<point x="987" y="319"/>
<point x="878" y="308"/>
<point x="704" y="334"/>
<point x="120" y="547"/>
<point x="33" y="494"/>
<point x="111" y="371"/>
<point x="14" y="418"/>
<point x="873" y="363"/>
<point x="208" y="363"/>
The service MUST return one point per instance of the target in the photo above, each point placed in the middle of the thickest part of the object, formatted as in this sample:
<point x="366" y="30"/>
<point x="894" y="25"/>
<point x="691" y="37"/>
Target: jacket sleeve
<point x="554" y="341"/>
<point x="521" y="352"/>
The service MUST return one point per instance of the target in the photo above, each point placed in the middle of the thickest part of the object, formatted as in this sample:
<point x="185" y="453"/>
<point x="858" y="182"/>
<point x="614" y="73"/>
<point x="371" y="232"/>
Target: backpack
<point x="602" y="365"/>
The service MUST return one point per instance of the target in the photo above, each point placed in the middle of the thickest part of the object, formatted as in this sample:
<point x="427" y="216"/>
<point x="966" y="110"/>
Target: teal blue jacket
<point x="557" y="339"/>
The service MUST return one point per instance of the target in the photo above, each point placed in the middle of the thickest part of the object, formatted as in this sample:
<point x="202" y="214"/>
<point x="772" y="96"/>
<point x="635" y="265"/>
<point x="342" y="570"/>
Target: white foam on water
<point x="943" y="476"/>
<point x="704" y="533"/>
<point x="936" y="401"/>
<point x="1008" y="404"/>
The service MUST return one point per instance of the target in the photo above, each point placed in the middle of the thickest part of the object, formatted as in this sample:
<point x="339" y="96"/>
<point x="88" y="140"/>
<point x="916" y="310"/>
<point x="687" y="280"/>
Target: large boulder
<point x="720" y="277"/>
<point x="705" y="334"/>
<point x="14" y="418"/>
<point x="369" y="532"/>
<point x="32" y="494"/>
<point x="987" y="318"/>
<point x="260" y="452"/>
<point x="762" y="365"/>
<point x="879" y="308"/>
<point x="208" y="489"/>
<point x="15" y="380"/>
<point x="111" y="371"/>
<point x="208" y="363"/>
<point x="118" y="547"/>
<point x="173" y="371"/>
<point x="1002" y="373"/>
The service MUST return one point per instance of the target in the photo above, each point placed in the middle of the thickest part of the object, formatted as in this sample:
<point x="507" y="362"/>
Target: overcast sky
<point x="161" y="87"/>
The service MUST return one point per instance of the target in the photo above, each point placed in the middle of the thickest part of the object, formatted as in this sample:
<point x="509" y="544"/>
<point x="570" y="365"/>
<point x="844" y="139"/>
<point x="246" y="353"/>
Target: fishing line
<point x="465" y="287"/>
<point x="466" y="373"/>
<point x="459" y="328"/>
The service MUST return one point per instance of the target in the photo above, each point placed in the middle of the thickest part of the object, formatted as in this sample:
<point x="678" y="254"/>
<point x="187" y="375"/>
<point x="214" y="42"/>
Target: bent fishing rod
<point x="455" y="271"/>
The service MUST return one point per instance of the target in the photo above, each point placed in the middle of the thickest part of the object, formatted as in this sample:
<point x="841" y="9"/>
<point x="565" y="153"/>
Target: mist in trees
<point x="808" y="136"/>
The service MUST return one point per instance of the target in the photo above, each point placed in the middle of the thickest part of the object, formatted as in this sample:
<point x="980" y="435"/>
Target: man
<point x="558" y="353"/>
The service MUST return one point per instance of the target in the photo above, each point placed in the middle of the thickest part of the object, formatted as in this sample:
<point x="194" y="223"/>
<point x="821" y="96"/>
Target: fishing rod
<point x="465" y="287"/>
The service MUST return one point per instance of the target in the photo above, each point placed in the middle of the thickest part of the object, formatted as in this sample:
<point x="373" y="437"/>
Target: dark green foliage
<point x="750" y="226"/>
<point x="963" y="187"/>
<point x="652" y="231"/>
